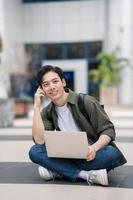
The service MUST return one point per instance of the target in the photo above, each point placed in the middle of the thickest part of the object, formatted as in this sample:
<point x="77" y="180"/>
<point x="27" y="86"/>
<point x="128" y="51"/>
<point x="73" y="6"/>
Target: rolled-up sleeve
<point x="99" y="119"/>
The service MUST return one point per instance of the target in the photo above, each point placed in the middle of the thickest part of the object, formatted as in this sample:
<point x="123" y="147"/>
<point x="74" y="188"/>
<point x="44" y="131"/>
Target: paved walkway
<point x="20" y="180"/>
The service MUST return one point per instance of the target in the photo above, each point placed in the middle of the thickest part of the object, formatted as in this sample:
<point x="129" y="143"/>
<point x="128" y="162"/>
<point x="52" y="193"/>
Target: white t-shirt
<point x="65" y="119"/>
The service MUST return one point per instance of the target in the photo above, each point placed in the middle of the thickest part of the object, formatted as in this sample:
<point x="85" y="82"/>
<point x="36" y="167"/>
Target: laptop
<point x="61" y="144"/>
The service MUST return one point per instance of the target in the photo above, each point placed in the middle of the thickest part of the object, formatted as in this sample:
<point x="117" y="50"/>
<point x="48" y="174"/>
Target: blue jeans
<point x="107" y="158"/>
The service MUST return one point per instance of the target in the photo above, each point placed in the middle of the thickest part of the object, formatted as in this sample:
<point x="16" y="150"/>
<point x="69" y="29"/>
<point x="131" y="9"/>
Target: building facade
<point x="66" y="32"/>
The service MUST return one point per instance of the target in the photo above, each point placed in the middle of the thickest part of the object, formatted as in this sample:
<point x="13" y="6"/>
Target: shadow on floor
<point x="27" y="173"/>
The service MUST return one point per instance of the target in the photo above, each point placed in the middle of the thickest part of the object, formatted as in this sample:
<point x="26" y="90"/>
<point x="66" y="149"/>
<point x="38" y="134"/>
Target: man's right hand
<point x="38" y="97"/>
<point x="37" y="126"/>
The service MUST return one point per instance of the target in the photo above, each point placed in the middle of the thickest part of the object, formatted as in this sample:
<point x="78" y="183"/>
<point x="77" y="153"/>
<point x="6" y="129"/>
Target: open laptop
<point x="62" y="144"/>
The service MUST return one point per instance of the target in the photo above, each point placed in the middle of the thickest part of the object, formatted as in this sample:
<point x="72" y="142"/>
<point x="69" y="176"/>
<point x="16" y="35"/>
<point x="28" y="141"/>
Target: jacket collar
<point x="72" y="97"/>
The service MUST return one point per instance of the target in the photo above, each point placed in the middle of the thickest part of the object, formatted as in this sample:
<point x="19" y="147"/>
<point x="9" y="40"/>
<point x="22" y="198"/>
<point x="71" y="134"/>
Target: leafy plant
<point x="109" y="70"/>
<point x="24" y="98"/>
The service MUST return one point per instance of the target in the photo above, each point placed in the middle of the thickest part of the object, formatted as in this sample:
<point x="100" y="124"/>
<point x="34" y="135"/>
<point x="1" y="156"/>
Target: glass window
<point x="87" y="50"/>
<point x="95" y="48"/>
<point x="93" y="89"/>
<point x="35" y="51"/>
<point x="93" y="64"/>
<point x="76" y="50"/>
<point x="69" y="77"/>
<point x="53" y="51"/>
<point x="35" y="54"/>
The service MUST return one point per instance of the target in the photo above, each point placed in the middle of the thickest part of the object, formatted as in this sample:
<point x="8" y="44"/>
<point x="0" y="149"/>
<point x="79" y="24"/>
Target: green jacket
<point x="97" y="124"/>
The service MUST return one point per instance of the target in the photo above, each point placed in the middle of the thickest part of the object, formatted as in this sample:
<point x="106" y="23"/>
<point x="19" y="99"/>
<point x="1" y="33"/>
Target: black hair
<point x="47" y="68"/>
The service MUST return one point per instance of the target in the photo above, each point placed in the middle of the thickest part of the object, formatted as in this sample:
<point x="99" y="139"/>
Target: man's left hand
<point x="91" y="154"/>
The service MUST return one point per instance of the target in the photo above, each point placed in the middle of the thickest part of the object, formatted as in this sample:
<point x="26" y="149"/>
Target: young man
<point x="65" y="114"/>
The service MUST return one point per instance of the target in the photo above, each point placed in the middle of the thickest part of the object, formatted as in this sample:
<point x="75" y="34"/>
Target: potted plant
<point x="23" y="105"/>
<point x="108" y="75"/>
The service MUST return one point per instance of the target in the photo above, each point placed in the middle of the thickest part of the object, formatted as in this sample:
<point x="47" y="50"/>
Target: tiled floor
<point x="14" y="146"/>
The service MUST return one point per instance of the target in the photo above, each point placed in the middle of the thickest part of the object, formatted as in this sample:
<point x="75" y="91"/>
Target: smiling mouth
<point x="54" y="93"/>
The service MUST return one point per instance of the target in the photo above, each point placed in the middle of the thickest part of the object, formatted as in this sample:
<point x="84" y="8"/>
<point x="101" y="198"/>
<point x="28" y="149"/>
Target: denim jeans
<point x="107" y="158"/>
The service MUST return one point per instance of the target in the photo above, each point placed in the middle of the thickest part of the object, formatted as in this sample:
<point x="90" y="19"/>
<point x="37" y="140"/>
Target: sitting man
<point x="63" y="114"/>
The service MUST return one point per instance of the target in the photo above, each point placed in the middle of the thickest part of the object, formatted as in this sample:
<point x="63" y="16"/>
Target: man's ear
<point x="64" y="82"/>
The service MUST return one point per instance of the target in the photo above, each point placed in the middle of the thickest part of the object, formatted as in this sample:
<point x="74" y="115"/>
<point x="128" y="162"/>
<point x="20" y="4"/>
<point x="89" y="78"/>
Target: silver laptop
<point x="62" y="144"/>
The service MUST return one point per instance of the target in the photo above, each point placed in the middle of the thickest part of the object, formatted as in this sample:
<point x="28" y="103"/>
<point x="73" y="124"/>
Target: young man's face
<point x="53" y="86"/>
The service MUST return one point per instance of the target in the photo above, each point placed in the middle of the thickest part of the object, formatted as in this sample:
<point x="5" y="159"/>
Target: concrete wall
<point x="64" y="21"/>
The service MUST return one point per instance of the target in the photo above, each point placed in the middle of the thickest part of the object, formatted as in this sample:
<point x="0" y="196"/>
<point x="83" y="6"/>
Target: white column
<point x="112" y="24"/>
<point x="1" y="26"/>
<point x="4" y="75"/>
<point x="118" y="33"/>
<point x="126" y="91"/>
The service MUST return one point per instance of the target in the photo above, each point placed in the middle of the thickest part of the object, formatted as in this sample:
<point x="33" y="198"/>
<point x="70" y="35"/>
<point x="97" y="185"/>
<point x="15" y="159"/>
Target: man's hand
<point x="37" y="126"/>
<point x="91" y="154"/>
<point x="38" y="97"/>
<point x="99" y="144"/>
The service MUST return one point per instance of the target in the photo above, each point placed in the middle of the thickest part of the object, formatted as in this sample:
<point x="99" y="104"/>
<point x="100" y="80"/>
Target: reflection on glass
<point x="76" y="50"/>
<point x="53" y="51"/>
<point x="95" y="48"/>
